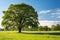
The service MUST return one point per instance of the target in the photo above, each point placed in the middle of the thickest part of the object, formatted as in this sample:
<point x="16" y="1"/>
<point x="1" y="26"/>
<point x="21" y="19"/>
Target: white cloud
<point x="44" y="11"/>
<point x="58" y="10"/>
<point x="48" y="23"/>
<point x="56" y="13"/>
<point x="58" y="16"/>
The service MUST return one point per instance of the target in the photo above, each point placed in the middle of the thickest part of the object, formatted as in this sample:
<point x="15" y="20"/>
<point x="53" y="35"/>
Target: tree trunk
<point x="19" y="29"/>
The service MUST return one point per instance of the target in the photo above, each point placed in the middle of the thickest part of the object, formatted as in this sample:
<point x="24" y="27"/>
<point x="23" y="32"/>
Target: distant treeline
<point x="52" y="28"/>
<point x="39" y="28"/>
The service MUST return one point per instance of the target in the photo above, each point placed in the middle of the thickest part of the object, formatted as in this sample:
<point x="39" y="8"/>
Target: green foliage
<point x="40" y="28"/>
<point x="55" y="27"/>
<point x="44" y="28"/>
<point x="20" y="15"/>
<point x="52" y="28"/>
<point x="29" y="28"/>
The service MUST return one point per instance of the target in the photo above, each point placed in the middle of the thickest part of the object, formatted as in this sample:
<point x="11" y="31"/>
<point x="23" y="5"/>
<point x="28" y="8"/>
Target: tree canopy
<point x="20" y="15"/>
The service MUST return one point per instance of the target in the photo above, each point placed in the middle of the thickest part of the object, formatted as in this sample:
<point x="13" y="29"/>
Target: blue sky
<point x="48" y="10"/>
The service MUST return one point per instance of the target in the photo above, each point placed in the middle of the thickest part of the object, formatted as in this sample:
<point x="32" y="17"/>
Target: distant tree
<point x="40" y="28"/>
<point x="46" y="28"/>
<point x="56" y="27"/>
<point x="53" y="27"/>
<point x="49" y="29"/>
<point x="19" y="15"/>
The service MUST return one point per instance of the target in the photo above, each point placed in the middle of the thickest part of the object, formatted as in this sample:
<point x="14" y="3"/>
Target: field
<point x="14" y="35"/>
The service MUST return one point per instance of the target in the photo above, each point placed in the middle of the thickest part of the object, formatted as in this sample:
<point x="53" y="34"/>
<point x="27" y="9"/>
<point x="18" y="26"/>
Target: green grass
<point x="29" y="35"/>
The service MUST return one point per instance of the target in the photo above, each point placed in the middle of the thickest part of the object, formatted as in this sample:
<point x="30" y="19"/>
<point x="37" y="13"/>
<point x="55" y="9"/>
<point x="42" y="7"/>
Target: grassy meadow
<point x="14" y="35"/>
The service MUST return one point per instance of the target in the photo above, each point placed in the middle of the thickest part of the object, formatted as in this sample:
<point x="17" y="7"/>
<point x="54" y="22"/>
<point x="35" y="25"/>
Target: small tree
<point x="46" y="28"/>
<point x="55" y="27"/>
<point x="40" y="28"/>
<point x="58" y="27"/>
<point x="20" y="15"/>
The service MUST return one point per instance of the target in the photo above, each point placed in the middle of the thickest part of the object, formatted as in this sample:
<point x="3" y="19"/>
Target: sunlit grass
<point x="27" y="36"/>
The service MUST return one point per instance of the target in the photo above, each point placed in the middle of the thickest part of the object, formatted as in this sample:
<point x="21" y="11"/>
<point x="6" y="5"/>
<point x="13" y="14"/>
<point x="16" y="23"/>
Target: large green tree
<point x="20" y="15"/>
